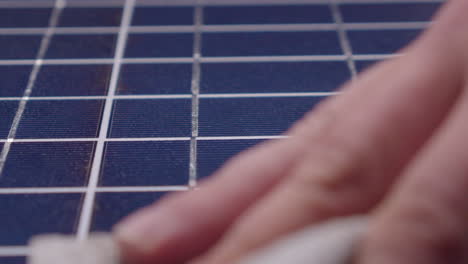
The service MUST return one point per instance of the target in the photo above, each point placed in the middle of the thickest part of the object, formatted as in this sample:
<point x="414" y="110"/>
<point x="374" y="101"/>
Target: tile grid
<point x="87" y="207"/>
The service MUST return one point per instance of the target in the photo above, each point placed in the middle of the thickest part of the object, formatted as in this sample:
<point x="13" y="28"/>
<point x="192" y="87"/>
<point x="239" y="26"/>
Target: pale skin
<point x="394" y="145"/>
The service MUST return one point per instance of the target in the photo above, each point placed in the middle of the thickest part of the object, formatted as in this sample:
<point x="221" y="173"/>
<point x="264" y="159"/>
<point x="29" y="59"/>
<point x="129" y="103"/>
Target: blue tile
<point x="109" y="208"/>
<point x="47" y="164"/>
<point x="388" y="12"/>
<point x="163" y="16"/>
<point x="7" y="114"/>
<point x="19" y="46"/>
<point x="251" y="116"/>
<point x="81" y="46"/>
<point x="212" y="154"/>
<point x="90" y="17"/>
<point x="24" y="17"/>
<point x="151" y="118"/>
<point x="160" y="45"/>
<point x="364" y="64"/>
<point x="25" y="215"/>
<point x="381" y="41"/>
<point x="279" y="14"/>
<point x="270" y="43"/>
<point x="173" y="78"/>
<point x="141" y="163"/>
<point x="13" y="260"/>
<point x="273" y="77"/>
<point x="13" y="80"/>
<point x="72" y="80"/>
<point x="60" y="119"/>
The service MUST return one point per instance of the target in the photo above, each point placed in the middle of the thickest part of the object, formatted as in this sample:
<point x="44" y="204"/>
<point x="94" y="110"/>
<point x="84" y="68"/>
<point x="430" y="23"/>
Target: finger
<point x="353" y="160"/>
<point x="425" y="220"/>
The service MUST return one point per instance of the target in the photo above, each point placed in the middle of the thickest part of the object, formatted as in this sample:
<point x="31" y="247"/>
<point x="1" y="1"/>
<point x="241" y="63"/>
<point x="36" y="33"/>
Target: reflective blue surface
<point x="162" y="16"/>
<point x="151" y="118"/>
<point x="72" y="80"/>
<point x="251" y="116"/>
<point x="144" y="163"/>
<point x="13" y="260"/>
<point x="160" y="45"/>
<point x="155" y="79"/>
<point x="364" y="64"/>
<point x="24" y="17"/>
<point x="270" y="43"/>
<point x="89" y="17"/>
<point x="13" y="80"/>
<point x="282" y="14"/>
<point x="273" y="77"/>
<point x="111" y="207"/>
<point x="47" y="164"/>
<point x="7" y="113"/>
<point x="81" y="46"/>
<point x="390" y="12"/>
<point x="60" y="119"/>
<point x="380" y="41"/>
<point x="25" y="215"/>
<point x="19" y="46"/>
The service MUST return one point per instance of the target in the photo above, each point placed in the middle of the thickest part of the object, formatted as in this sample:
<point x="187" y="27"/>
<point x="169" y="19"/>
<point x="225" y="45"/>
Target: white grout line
<point x="195" y="89"/>
<point x="13" y="251"/>
<point x="42" y="190"/>
<point x="242" y="137"/>
<point x="54" y="17"/>
<point x="344" y="41"/>
<point x="102" y="189"/>
<point x="87" y="209"/>
<point x="257" y="95"/>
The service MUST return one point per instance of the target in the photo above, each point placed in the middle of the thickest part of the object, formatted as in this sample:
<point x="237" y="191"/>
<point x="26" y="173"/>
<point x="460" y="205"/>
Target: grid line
<point x="87" y="208"/>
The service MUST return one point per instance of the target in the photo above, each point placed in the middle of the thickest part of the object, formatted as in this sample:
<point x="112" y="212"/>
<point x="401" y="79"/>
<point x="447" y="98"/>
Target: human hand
<point x="393" y="145"/>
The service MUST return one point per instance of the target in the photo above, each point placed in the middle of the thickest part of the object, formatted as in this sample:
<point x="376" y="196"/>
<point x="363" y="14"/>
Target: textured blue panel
<point x="171" y="78"/>
<point x="111" y="207"/>
<point x="60" y="119"/>
<point x="13" y="260"/>
<point x="19" y="46"/>
<point x="380" y="41"/>
<point x="280" y="14"/>
<point x="89" y="17"/>
<point x="72" y="80"/>
<point x="270" y="43"/>
<point x="163" y="16"/>
<point x="143" y="163"/>
<point x="81" y="46"/>
<point x="389" y="12"/>
<point x="364" y="64"/>
<point x="251" y="116"/>
<point x="7" y="113"/>
<point x="13" y="80"/>
<point x="213" y="153"/>
<point x="151" y="118"/>
<point x="160" y="45"/>
<point x="47" y="164"/>
<point x="25" y="215"/>
<point x="24" y="17"/>
<point x="273" y="77"/>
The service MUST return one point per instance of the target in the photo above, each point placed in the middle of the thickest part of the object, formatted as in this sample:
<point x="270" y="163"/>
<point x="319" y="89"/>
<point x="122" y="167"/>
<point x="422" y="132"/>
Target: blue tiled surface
<point x="380" y="41"/>
<point x="13" y="260"/>
<point x="13" y="80"/>
<point x="213" y="153"/>
<point x="47" y="164"/>
<point x="7" y="113"/>
<point x="270" y="43"/>
<point x="24" y="17"/>
<point x="390" y="12"/>
<point x="81" y="46"/>
<point x="364" y="64"/>
<point x="72" y="80"/>
<point x="151" y="118"/>
<point x="25" y="215"/>
<point x="172" y="78"/>
<point x="162" y="16"/>
<point x="19" y="46"/>
<point x="251" y="116"/>
<point x="160" y="45"/>
<point x="144" y="163"/>
<point x="90" y="17"/>
<point x="111" y="207"/>
<point x="60" y="119"/>
<point x="273" y="77"/>
<point x="280" y="14"/>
